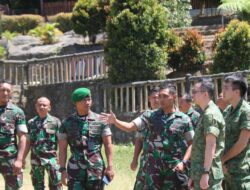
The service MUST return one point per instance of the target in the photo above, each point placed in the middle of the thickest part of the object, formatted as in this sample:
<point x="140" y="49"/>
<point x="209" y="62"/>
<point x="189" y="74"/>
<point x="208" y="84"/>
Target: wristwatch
<point x="205" y="171"/>
<point x="61" y="169"/>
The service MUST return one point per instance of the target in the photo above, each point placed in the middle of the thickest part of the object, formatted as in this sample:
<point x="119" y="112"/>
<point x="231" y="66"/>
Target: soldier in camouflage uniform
<point x="185" y="106"/>
<point x="42" y="140"/>
<point x="168" y="134"/>
<point x="12" y="121"/>
<point x="208" y="143"/>
<point x="153" y="99"/>
<point x="85" y="134"/>
<point x="236" y="158"/>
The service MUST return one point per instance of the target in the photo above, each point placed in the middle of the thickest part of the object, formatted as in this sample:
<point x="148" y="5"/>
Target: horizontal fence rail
<point x="133" y="97"/>
<point x="59" y="69"/>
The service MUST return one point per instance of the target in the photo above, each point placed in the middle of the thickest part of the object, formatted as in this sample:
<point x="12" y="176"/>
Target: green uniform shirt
<point x="237" y="119"/>
<point x="12" y="121"/>
<point x="210" y="122"/>
<point x="43" y="138"/>
<point x="194" y="116"/>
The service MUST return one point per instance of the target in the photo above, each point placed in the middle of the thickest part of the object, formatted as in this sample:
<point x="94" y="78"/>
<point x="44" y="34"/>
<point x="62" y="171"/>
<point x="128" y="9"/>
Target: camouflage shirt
<point x="43" y="138"/>
<point x="210" y="122"/>
<point x="194" y="116"/>
<point x="237" y="119"/>
<point x="12" y="121"/>
<point x="165" y="136"/>
<point x="84" y="136"/>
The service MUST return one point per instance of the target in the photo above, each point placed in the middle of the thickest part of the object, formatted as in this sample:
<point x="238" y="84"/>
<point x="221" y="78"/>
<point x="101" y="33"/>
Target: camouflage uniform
<point x="238" y="177"/>
<point x="84" y="135"/>
<point x="210" y="122"/>
<point x="194" y="116"/>
<point x="164" y="147"/>
<point x="12" y="121"/>
<point x="43" y="144"/>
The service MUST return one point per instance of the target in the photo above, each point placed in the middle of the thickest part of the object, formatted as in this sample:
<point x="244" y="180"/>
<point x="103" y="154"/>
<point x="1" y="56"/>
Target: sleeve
<point x="20" y="122"/>
<point x="62" y="134"/>
<point x="139" y="135"/>
<point x="59" y="124"/>
<point x="142" y="121"/>
<point x="245" y="120"/>
<point x="28" y="128"/>
<point x="188" y="130"/>
<point x="106" y="131"/>
<point x="210" y="125"/>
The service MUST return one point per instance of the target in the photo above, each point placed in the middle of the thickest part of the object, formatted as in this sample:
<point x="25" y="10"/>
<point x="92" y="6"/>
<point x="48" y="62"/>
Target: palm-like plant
<point x="239" y="7"/>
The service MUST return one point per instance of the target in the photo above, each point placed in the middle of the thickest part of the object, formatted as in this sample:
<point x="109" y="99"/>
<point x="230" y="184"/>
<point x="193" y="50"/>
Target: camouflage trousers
<point x="12" y="182"/>
<point x="154" y="176"/>
<point x="37" y="176"/>
<point x="239" y="181"/>
<point x="213" y="184"/>
<point x="78" y="178"/>
<point x="140" y="175"/>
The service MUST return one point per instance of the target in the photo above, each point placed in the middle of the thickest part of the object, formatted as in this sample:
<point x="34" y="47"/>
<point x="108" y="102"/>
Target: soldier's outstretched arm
<point x="107" y="141"/>
<point x="124" y="126"/>
<point x="63" y="144"/>
<point x="17" y="166"/>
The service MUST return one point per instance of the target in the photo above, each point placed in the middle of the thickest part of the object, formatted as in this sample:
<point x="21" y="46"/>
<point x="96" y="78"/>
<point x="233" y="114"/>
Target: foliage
<point x="9" y="35"/>
<point x="186" y="53"/>
<point x="136" y="40"/>
<point x="21" y="23"/>
<point x="47" y="32"/>
<point x="177" y="12"/>
<point x="232" y="51"/>
<point x="2" y="52"/>
<point x="89" y="17"/>
<point x="240" y="7"/>
<point x="64" y="21"/>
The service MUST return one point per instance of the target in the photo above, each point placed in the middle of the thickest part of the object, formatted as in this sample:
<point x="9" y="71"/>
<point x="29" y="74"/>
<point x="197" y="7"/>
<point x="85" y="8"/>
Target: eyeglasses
<point x="197" y="91"/>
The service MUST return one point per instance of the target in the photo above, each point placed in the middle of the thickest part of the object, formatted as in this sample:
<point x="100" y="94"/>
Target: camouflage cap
<point x="79" y="94"/>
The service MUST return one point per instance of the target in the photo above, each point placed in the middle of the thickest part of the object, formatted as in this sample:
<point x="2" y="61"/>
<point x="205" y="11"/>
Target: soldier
<point x="42" y="140"/>
<point x="185" y="106"/>
<point x="236" y="158"/>
<point x="12" y="122"/>
<point x="85" y="134"/>
<point x="208" y="143"/>
<point x="167" y="133"/>
<point x="153" y="99"/>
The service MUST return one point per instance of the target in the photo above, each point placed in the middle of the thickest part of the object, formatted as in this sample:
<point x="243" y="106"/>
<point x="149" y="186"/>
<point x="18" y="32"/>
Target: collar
<point x="210" y="103"/>
<point x="232" y="110"/>
<point x="89" y="117"/>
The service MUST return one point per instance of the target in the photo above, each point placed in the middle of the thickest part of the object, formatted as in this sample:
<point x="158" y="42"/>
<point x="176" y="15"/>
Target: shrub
<point x="2" y="52"/>
<point x="89" y="17"/>
<point x="136" y="40"/>
<point x="47" y="32"/>
<point x="20" y="23"/>
<point x="187" y="54"/>
<point x="64" y="21"/>
<point x="8" y="35"/>
<point x="232" y="51"/>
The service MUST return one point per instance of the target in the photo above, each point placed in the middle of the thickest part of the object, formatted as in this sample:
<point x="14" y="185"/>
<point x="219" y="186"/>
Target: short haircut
<point x="153" y="90"/>
<point x="187" y="97"/>
<point x="238" y="83"/>
<point x="207" y="85"/>
<point x="5" y="81"/>
<point x="170" y="86"/>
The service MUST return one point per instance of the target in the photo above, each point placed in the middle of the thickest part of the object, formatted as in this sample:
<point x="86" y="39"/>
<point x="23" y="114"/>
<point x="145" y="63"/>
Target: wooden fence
<point x="52" y="8"/>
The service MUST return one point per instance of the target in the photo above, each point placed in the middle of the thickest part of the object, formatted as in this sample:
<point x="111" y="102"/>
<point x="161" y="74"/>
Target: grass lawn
<point x="124" y="177"/>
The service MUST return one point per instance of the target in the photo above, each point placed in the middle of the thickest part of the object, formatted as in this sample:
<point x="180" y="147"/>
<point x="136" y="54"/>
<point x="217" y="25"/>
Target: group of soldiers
<point x="182" y="148"/>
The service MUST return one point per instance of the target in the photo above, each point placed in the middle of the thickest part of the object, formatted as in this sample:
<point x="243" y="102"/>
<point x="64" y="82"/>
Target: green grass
<point x="124" y="178"/>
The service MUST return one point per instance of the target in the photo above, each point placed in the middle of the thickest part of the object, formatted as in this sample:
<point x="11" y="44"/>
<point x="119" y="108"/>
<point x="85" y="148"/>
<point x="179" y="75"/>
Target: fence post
<point x="187" y="84"/>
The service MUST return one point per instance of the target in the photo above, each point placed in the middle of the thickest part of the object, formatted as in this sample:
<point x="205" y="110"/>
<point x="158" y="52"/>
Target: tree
<point x="239" y="7"/>
<point x="137" y="37"/>
<point x="89" y="17"/>
<point x="177" y="12"/>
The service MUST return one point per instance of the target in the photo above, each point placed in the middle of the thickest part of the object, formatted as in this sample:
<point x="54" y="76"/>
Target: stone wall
<point x="62" y="106"/>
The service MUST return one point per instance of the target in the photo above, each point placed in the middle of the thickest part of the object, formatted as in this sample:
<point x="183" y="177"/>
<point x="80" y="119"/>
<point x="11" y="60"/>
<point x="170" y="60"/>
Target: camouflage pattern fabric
<point x="84" y="135"/>
<point x="194" y="116"/>
<point x="12" y="121"/>
<point x="238" y="177"/>
<point x="164" y="146"/>
<point x="210" y="122"/>
<point x="43" y="144"/>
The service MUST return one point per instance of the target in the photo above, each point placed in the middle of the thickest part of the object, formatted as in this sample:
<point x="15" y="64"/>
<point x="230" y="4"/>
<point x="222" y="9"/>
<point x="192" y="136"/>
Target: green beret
<point x="79" y="94"/>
